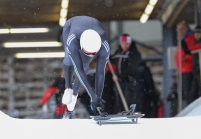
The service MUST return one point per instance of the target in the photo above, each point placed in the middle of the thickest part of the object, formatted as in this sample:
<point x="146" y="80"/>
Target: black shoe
<point x="68" y="115"/>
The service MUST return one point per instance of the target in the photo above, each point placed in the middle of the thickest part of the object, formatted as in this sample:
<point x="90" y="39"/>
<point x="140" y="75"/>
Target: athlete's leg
<point x="67" y="67"/>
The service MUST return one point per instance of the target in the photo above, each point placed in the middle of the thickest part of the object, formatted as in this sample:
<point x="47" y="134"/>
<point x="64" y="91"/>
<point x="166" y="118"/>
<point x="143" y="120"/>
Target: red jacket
<point x="186" y="59"/>
<point x="161" y="109"/>
<point x="107" y="68"/>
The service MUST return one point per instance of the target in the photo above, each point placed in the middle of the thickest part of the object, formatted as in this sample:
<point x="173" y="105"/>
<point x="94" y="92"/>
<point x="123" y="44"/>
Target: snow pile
<point x="193" y="109"/>
<point x="3" y="115"/>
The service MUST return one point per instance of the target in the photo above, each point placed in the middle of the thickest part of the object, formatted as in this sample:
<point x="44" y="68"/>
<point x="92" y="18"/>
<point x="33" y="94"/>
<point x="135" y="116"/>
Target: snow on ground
<point x="161" y="128"/>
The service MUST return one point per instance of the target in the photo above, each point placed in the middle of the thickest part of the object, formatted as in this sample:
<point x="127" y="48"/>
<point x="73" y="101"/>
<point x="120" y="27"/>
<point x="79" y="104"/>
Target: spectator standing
<point x="186" y="40"/>
<point x="146" y="94"/>
<point x="126" y="60"/>
<point x="108" y="91"/>
<point x="56" y="89"/>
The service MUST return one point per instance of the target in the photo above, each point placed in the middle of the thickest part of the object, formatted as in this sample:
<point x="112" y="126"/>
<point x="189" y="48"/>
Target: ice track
<point x="164" y="128"/>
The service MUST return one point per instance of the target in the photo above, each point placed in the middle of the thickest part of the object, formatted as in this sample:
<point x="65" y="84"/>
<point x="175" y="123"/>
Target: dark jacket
<point x="196" y="68"/>
<point x="126" y="63"/>
<point x="60" y="84"/>
<point x="173" y="93"/>
<point x="173" y="98"/>
<point x="144" y="82"/>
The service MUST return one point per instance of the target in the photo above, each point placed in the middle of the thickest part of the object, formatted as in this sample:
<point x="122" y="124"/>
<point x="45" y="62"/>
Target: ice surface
<point x="193" y="109"/>
<point x="161" y="128"/>
<point x="195" y="112"/>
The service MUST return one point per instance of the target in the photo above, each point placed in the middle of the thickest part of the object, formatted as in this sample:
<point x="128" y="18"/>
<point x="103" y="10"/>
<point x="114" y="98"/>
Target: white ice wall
<point x="164" y="128"/>
<point x="193" y="109"/>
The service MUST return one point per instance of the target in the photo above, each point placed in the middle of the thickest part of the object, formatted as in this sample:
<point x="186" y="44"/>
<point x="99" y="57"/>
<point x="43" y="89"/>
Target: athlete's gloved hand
<point x="99" y="103"/>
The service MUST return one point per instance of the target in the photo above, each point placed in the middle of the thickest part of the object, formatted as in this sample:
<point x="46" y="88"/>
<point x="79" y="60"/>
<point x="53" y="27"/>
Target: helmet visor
<point x="88" y="53"/>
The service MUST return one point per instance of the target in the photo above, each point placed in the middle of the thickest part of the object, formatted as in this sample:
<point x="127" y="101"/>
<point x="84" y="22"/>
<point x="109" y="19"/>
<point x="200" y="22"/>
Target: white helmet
<point x="90" y="42"/>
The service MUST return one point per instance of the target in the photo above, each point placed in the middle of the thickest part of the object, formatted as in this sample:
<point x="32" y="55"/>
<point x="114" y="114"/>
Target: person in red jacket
<point x="196" y="87"/>
<point x="56" y="89"/>
<point x="186" y="40"/>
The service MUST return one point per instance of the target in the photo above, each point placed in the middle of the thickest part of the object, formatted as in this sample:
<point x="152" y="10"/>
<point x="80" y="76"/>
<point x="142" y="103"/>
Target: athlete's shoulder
<point x="106" y="45"/>
<point x="83" y="17"/>
<point x="105" y="50"/>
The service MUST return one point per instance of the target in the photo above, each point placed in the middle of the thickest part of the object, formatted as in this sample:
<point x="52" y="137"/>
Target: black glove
<point x="99" y="103"/>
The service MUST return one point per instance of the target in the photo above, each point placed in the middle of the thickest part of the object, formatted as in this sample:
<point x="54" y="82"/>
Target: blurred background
<point x="31" y="51"/>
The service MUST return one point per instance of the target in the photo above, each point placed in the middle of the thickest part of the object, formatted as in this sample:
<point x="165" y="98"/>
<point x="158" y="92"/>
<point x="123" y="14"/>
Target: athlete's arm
<point x="102" y="59"/>
<point x="73" y="52"/>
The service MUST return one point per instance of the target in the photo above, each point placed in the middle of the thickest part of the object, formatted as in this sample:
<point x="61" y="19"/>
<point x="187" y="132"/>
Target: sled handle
<point x="103" y="114"/>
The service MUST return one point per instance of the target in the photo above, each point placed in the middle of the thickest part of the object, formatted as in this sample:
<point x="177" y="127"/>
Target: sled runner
<point x="125" y="115"/>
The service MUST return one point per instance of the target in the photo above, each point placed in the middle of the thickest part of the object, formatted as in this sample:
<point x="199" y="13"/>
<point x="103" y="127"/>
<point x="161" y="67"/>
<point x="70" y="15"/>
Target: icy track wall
<point x="153" y="128"/>
<point x="193" y="109"/>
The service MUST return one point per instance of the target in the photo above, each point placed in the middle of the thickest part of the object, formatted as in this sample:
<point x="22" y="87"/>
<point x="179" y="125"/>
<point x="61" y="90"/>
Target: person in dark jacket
<point x="56" y="89"/>
<point x="126" y="60"/>
<point x="173" y="97"/>
<point x="108" y="91"/>
<point x="146" y="94"/>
